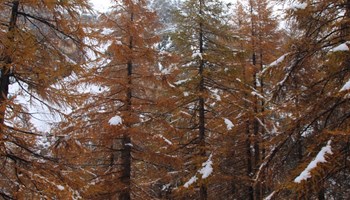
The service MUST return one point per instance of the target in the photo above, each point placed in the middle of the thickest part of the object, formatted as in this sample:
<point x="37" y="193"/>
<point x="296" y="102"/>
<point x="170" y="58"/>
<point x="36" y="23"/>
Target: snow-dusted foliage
<point x="205" y="171"/>
<point x="320" y="158"/>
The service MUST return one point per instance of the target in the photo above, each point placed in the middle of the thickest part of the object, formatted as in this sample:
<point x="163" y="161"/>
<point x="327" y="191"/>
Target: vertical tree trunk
<point x="248" y="153"/>
<point x="6" y="69"/>
<point x="346" y="26"/>
<point x="249" y="160"/>
<point x="126" y="140"/>
<point x="321" y="195"/>
<point x="203" y="188"/>
<point x="256" y="102"/>
<point x="262" y="134"/>
<point x="126" y="171"/>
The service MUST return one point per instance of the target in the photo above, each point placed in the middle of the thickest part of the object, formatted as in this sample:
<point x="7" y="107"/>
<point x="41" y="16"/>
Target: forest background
<point x="161" y="99"/>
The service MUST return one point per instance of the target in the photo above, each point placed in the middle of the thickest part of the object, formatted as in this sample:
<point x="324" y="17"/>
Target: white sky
<point x="102" y="5"/>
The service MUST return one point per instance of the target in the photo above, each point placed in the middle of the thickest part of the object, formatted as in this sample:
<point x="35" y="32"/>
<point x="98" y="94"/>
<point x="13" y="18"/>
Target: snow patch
<point x="165" y="139"/>
<point x="254" y="93"/>
<point x="166" y="187"/>
<point x="270" y="196"/>
<point x="191" y="181"/>
<point x="215" y="94"/>
<point x="320" y="158"/>
<point x="229" y="124"/>
<point x="60" y="187"/>
<point x="197" y="55"/>
<point x="129" y="144"/>
<point x="341" y="47"/>
<point x="207" y="168"/>
<point x="278" y="61"/>
<point x="181" y="82"/>
<point x="298" y="6"/>
<point x="345" y="87"/>
<point x="116" y="120"/>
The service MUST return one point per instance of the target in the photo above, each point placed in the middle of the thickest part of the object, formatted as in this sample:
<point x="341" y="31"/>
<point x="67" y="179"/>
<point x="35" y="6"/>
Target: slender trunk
<point x="256" y="128"/>
<point x="262" y="110"/>
<point x="126" y="164"/>
<point x="299" y="136"/>
<point x="256" y="102"/>
<point x="203" y="187"/>
<point x="248" y="153"/>
<point x="126" y="140"/>
<point x="321" y="195"/>
<point x="346" y="26"/>
<point x="249" y="160"/>
<point x="6" y="69"/>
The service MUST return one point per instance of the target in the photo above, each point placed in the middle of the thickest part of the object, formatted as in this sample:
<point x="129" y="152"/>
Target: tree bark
<point x="6" y="69"/>
<point x="126" y="140"/>
<point x="256" y="144"/>
<point x="203" y="187"/>
<point x="126" y="164"/>
<point x="249" y="160"/>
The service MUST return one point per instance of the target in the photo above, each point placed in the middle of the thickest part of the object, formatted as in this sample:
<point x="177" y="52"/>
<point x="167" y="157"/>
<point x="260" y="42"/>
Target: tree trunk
<point x="256" y="145"/>
<point x="126" y="141"/>
<point x="321" y="195"/>
<point x="6" y="69"/>
<point x="203" y="187"/>
<point x="249" y="161"/>
<point x="126" y="164"/>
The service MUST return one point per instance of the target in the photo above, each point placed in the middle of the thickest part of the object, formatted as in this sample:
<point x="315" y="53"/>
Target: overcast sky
<point x="102" y="5"/>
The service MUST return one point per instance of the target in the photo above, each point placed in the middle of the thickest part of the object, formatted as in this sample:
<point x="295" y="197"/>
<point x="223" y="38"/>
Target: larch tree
<point x="201" y="38"/>
<point x="133" y="61"/>
<point x="41" y="44"/>
<point x="258" y="44"/>
<point x="116" y="120"/>
<point x="311" y="100"/>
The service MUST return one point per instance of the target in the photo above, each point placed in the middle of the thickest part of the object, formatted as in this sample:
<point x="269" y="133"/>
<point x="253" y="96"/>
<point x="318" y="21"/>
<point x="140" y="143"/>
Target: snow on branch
<point x="275" y="63"/>
<point x="254" y="93"/>
<point x="229" y="124"/>
<point x="191" y="181"/>
<point x="116" y="120"/>
<point x="60" y="187"/>
<point x="205" y="171"/>
<point x="341" y="47"/>
<point x="278" y="61"/>
<point x="320" y="158"/>
<point x="270" y="196"/>
<point x="165" y="139"/>
<point x="264" y="164"/>
<point x="298" y="6"/>
<point x="207" y="168"/>
<point x="345" y="87"/>
<point x="197" y="55"/>
<point x="181" y="81"/>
